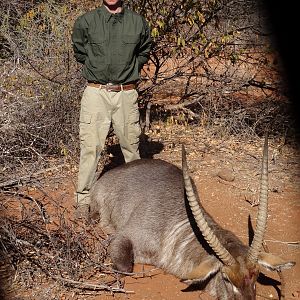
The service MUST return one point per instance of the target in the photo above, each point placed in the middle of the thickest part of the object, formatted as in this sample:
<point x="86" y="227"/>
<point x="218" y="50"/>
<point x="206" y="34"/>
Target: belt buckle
<point x="107" y="86"/>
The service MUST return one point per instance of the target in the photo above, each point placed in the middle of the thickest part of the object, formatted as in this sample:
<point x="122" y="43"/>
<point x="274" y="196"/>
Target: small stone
<point x="226" y="174"/>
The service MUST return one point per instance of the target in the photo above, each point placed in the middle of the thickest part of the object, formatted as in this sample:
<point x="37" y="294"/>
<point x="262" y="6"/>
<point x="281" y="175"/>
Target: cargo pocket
<point x="134" y="128"/>
<point x="97" y="44"/>
<point x="85" y="128"/>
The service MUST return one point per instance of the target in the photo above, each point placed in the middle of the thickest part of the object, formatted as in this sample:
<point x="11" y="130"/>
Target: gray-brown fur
<point x="143" y="205"/>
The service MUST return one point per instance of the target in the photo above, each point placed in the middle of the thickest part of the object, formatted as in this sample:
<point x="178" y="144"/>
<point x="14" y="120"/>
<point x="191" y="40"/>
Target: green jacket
<point x="112" y="47"/>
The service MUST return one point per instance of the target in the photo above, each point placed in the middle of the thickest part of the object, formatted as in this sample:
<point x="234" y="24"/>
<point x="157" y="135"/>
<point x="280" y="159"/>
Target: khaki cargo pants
<point x="99" y="109"/>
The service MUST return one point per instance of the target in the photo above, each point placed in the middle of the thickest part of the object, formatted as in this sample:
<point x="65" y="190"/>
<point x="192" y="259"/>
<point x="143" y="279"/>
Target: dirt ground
<point x="228" y="198"/>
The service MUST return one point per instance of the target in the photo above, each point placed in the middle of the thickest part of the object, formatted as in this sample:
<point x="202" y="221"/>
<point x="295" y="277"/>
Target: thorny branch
<point x="58" y="248"/>
<point x="27" y="178"/>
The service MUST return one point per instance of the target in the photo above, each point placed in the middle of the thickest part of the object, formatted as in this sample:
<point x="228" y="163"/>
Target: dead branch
<point x="90" y="286"/>
<point x="261" y="84"/>
<point x="185" y="103"/>
<point x="27" y="178"/>
<point x="296" y="243"/>
<point x="39" y="205"/>
<point x="147" y="125"/>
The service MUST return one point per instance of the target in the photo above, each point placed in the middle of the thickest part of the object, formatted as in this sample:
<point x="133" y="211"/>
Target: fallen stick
<point x="90" y="286"/>
<point x="26" y="178"/>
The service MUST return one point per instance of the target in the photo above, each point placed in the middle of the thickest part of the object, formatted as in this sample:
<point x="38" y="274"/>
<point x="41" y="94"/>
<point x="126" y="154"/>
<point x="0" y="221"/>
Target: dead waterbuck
<point x="153" y="212"/>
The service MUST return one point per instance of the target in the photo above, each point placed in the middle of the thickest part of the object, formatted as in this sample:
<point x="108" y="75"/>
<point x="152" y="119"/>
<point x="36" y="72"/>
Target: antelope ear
<point x="273" y="262"/>
<point x="206" y="269"/>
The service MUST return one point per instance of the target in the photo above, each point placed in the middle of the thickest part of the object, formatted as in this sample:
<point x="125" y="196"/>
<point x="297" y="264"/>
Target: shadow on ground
<point x="148" y="149"/>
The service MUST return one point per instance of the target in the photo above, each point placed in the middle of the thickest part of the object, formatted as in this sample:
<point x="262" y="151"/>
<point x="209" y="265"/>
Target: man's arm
<point x="145" y="45"/>
<point x="79" y="39"/>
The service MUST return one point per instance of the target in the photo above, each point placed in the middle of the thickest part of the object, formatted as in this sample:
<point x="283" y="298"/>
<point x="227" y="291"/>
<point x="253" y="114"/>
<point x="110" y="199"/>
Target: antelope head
<point x="236" y="272"/>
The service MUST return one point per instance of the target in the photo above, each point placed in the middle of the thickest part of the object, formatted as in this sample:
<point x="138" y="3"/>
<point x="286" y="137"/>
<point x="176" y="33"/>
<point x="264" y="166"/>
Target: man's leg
<point x="93" y="129"/>
<point x="126" y="123"/>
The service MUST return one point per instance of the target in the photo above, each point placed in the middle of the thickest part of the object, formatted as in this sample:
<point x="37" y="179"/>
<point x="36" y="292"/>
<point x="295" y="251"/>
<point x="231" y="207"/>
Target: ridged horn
<point x="202" y="224"/>
<point x="262" y="213"/>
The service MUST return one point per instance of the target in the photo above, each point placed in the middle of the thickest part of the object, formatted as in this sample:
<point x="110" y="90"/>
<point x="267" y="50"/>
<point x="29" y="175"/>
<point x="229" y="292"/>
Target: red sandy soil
<point x="229" y="203"/>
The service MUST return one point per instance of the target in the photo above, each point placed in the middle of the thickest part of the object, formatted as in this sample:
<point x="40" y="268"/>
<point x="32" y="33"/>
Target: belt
<point x="110" y="87"/>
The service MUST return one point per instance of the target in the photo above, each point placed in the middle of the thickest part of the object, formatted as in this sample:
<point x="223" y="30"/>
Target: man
<point x="113" y="43"/>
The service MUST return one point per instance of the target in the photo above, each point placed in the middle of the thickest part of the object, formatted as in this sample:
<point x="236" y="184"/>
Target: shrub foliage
<point x="211" y="62"/>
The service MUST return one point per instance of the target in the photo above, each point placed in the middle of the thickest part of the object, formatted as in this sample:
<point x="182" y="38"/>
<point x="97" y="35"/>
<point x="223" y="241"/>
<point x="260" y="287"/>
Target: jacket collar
<point x="107" y="15"/>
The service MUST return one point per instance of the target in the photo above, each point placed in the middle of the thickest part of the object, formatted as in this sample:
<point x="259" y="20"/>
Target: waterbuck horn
<point x="206" y="231"/>
<point x="262" y="208"/>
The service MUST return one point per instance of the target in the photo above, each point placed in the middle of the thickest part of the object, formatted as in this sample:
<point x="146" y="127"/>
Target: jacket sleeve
<point x="79" y="39"/>
<point x="145" y="45"/>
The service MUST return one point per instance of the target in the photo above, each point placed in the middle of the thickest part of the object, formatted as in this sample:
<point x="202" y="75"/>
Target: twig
<point x="148" y="110"/>
<point x="232" y="185"/>
<point x="90" y="286"/>
<point x="296" y="243"/>
<point x="40" y="205"/>
<point x="185" y="103"/>
<point x="26" y="178"/>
